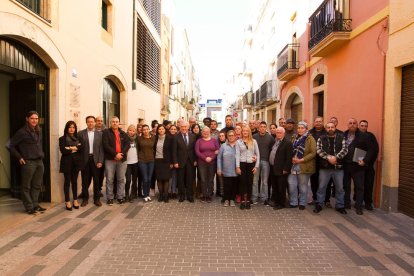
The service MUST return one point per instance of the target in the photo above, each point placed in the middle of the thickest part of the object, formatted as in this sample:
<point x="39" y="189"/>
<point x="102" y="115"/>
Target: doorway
<point x="23" y="87"/>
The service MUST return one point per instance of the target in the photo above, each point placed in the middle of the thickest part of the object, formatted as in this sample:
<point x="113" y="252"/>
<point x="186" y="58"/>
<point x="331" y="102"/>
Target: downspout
<point x="134" y="85"/>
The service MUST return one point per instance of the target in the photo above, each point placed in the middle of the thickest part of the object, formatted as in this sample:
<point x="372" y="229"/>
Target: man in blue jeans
<point x="26" y="147"/>
<point x="331" y="149"/>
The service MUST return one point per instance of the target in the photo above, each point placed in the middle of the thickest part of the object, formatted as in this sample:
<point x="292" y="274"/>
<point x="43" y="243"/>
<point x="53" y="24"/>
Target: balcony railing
<point x="248" y="99"/>
<point x="331" y="16"/>
<point x="288" y="62"/>
<point x="39" y="7"/>
<point x="266" y="92"/>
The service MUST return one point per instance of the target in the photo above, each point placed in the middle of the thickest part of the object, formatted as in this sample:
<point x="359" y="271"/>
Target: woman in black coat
<point x="163" y="148"/>
<point x="70" y="146"/>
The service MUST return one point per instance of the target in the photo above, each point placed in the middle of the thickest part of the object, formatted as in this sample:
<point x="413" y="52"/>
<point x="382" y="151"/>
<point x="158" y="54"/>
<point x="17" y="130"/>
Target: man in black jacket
<point x="26" y="147"/>
<point x="370" y="172"/>
<point x="280" y="160"/>
<point x="93" y="159"/>
<point x="355" y="139"/>
<point x="116" y="145"/>
<point x="331" y="149"/>
<point x="184" y="159"/>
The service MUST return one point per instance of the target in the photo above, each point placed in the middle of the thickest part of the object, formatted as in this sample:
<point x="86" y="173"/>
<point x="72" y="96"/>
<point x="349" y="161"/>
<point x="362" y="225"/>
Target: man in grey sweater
<point x="265" y="142"/>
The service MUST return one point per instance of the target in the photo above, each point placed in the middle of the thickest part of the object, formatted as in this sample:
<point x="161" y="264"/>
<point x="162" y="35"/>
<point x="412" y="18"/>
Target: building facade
<point x="68" y="69"/>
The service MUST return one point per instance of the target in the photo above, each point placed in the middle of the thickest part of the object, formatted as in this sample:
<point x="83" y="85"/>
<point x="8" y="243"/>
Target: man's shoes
<point x="121" y="201"/>
<point x="38" y="208"/>
<point x="301" y="207"/>
<point x="342" y="211"/>
<point x="110" y="202"/>
<point x="277" y="207"/>
<point x="31" y="211"/>
<point x="84" y="203"/>
<point x="98" y="203"/>
<point x="160" y="198"/>
<point x="293" y="206"/>
<point x="318" y="208"/>
<point x="266" y="203"/>
<point x="166" y="199"/>
<point x="181" y="199"/>
<point x="369" y="207"/>
<point x="191" y="200"/>
<point x="242" y="206"/>
<point x="359" y="211"/>
<point x="248" y="207"/>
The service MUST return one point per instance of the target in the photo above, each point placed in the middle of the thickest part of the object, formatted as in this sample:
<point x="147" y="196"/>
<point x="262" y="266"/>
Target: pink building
<point x="337" y="66"/>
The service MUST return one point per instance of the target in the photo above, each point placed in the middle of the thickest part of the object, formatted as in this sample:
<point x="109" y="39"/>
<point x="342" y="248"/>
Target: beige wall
<point x="400" y="53"/>
<point x="75" y="41"/>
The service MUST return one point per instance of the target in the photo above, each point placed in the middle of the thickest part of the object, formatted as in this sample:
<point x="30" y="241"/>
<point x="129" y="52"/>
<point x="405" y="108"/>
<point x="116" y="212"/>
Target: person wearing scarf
<point x="70" y="146"/>
<point x="304" y="153"/>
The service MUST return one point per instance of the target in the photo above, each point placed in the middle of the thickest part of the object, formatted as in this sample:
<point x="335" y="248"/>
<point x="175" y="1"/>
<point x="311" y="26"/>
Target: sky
<point x="215" y="31"/>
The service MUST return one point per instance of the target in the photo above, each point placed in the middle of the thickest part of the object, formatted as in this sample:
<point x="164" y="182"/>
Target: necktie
<point x="185" y="139"/>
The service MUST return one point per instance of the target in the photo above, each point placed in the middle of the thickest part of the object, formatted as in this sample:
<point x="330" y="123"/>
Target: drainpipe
<point x="134" y="85"/>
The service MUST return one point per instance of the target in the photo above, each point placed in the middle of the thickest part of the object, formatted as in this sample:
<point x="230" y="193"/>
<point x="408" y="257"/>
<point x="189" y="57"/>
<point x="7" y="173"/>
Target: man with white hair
<point x="280" y="160"/>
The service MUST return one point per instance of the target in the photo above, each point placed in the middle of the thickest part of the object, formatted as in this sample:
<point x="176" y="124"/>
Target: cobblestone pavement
<point x="208" y="240"/>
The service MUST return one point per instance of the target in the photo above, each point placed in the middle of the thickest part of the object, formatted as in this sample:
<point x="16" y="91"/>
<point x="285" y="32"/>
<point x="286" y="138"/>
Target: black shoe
<point x="181" y="199"/>
<point x="160" y="198"/>
<point x="342" y="211"/>
<point x="166" y="199"/>
<point x="369" y="207"/>
<point x="191" y="200"/>
<point x="84" y="203"/>
<point x="317" y="209"/>
<point x="301" y="207"/>
<point x="31" y="211"/>
<point x="121" y="201"/>
<point x="97" y="202"/>
<point x="39" y="209"/>
<point x="293" y="206"/>
<point x="110" y="202"/>
<point x="359" y="212"/>
<point x="242" y="206"/>
<point x="277" y="207"/>
<point x="347" y="206"/>
<point x="248" y="206"/>
<point x="266" y="203"/>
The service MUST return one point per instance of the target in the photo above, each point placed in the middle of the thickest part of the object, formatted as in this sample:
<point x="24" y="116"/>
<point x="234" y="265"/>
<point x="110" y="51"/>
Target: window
<point x="106" y="16"/>
<point x="111" y="101"/>
<point x="39" y="7"/>
<point x="148" y="57"/>
<point x="153" y="9"/>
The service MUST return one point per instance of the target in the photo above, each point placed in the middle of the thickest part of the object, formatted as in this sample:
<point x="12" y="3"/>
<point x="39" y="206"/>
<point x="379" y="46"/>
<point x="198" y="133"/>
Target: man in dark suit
<point x="93" y="158"/>
<point x="280" y="160"/>
<point x="185" y="161"/>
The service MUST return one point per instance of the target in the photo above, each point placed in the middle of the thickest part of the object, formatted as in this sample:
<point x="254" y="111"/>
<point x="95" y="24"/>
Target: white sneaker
<point x="145" y="199"/>
<point x="149" y="199"/>
<point x="226" y="203"/>
<point x="232" y="204"/>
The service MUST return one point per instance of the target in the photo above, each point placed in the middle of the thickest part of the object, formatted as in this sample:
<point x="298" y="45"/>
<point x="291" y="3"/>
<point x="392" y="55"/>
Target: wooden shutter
<point x="406" y="175"/>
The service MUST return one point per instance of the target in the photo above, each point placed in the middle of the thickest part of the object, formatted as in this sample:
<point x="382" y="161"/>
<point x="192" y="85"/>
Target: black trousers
<point x="279" y="185"/>
<point x="71" y="177"/>
<point x="230" y="187"/>
<point x="89" y="173"/>
<point x="315" y="184"/>
<point x="357" y="174"/>
<point x="246" y="179"/>
<point x="131" y="177"/>
<point x="185" y="178"/>
<point x="163" y="187"/>
<point x="369" y="184"/>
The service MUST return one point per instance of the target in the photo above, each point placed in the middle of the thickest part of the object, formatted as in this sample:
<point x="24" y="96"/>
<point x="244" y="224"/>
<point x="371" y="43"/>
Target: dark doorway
<point x="27" y="90"/>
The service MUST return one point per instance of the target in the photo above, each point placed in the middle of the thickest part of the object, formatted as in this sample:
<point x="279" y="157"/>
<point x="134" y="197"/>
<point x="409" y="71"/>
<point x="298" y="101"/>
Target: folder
<point x="359" y="154"/>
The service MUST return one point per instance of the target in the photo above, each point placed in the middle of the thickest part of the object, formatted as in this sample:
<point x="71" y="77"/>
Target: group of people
<point x="250" y="162"/>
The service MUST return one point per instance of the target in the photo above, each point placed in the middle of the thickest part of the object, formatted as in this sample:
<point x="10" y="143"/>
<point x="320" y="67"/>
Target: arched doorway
<point x="294" y="107"/>
<point x="111" y="98"/>
<point x="24" y="86"/>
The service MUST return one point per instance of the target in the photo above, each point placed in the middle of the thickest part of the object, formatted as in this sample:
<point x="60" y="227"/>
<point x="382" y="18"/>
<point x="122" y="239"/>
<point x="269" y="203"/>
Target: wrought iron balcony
<point x="330" y="27"/>
<point x="248" y="100"/>
<point x="288" y="62"/>
<point x="39" y="7"/>
<point x="265" y="95"/>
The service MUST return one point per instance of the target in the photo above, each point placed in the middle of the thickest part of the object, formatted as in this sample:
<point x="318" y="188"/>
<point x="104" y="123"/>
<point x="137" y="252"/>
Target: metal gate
<point x="406" y="175"/>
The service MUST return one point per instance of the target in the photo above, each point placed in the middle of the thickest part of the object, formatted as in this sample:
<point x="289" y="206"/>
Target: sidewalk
<point x="208" y="240"/>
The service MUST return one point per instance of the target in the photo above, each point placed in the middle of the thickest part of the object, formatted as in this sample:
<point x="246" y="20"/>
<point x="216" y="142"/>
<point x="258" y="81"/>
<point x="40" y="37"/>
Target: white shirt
<point x="91" y="136"/>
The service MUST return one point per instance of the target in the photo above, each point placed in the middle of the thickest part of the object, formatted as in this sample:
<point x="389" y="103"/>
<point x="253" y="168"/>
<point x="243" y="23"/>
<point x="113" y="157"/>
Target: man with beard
<point x="317" y="131"/>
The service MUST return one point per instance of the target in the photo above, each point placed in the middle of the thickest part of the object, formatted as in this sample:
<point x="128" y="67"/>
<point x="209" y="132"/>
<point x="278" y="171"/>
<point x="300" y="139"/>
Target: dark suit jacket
<point x="182" y="152"/>
<point x="108" y="141"/>
<point x="283" y="157"/>
<point x="98" y="151"/>
<point x="70" y="160"/>
<point x="361" y="141"/>
<point x="168" y="148"/>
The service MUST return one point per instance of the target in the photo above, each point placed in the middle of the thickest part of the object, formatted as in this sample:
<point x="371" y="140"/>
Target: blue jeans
<point x="146" y="168"/>
<point x="173" y="182"/>
<point x="338" y="177"/>
<point x="112" y="166"/>
<point x="263" y="173"/>
<point x="298" y="180"/>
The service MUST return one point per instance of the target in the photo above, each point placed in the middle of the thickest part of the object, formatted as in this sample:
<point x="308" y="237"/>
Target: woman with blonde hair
<point x="247" y="162"/>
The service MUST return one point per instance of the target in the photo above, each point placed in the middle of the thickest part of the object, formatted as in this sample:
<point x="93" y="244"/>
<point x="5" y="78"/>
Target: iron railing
<point x="331" y="16"/>
<point x="39" y="7"/>
<point x="248" y="99"/>
<point x="288" y="58"/>
<point x="266" y="91"/>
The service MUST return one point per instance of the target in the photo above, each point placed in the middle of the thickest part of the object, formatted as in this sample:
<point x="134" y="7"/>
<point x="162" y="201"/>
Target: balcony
<point x="39" y="7"/>
<point x="330" y="27"/>
<point x="266" y="95"/>
<point x="288" y="62"/>
<point x="248" y="100"/>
